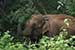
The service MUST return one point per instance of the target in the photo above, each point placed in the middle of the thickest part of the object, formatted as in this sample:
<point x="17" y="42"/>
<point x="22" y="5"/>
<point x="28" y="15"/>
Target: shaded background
<point x="14" y="13"/>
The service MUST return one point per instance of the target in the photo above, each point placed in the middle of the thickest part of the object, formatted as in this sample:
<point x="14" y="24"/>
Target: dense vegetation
<point x="14" y="14"/>
<point x="46" y="43"/>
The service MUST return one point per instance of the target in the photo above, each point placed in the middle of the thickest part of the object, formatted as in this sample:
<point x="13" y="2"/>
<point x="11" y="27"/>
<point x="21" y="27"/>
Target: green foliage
<point x="17" y="12"/>
<point x="42" y="6"/>
<point x="46" y="43"/>
<point x="69" y="6"/>
<point x="7" y="44"/>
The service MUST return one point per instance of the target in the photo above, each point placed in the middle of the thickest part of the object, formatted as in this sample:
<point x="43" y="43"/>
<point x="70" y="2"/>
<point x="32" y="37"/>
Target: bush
<point x="46" y="43"/>
<point x="69" y="6"/>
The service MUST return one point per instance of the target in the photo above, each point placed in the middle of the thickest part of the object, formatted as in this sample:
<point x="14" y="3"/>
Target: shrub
<point x="46" y="43"/>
